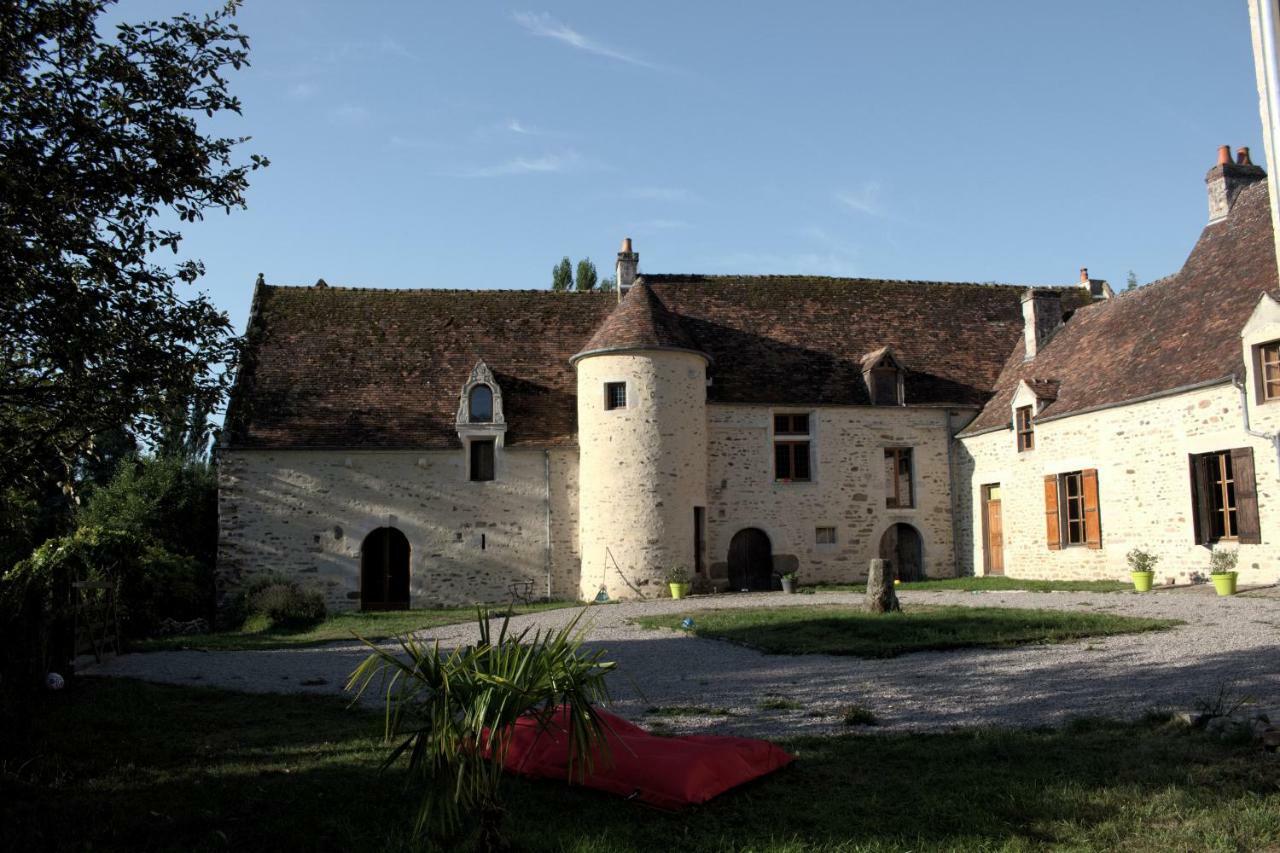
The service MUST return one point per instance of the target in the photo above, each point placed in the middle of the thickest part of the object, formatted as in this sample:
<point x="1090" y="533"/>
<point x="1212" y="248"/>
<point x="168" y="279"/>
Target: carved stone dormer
<point x="884" y="376"/>
<point x="475" y="418"/>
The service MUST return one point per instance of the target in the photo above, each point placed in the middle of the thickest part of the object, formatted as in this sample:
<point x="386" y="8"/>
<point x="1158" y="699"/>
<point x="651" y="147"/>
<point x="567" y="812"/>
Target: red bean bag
<point x="665" y="772"/>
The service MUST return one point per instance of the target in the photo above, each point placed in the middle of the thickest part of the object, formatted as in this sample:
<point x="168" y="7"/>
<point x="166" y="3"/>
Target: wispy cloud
<point x="865" y="200"/>
<point x="516" y="126"/>
<point x="659" y="194"/>
<point x="303" y="90"/>
<point x="544" y="26"/>
<point x="545" y="164"/>
<point x="349" y="114"/>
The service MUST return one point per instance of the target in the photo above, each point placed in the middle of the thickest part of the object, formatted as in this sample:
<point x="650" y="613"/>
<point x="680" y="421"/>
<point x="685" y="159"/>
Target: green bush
<point x="37" y="604"/>
<point x="286" y="605"/>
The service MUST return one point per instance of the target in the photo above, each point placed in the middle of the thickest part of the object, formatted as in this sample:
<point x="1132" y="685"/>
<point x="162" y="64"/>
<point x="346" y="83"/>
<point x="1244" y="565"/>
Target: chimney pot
<point x="1242" y="156"/>
<point x="626" y="244"/>
<point x="1224" y="154"/>
<point x="628" y="266"/>
<point x="1084" y="275"/>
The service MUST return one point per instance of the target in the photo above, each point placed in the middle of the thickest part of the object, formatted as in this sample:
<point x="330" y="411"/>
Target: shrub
<point x="1142" y="561"/>
<point x="286" y="605"/>
<point x="678" y="575"/>
<point x="37" y="604"/>
<point x="1223" y="562"/>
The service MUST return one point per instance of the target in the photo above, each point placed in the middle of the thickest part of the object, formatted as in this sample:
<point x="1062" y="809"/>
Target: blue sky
<point x="471" y="145"/>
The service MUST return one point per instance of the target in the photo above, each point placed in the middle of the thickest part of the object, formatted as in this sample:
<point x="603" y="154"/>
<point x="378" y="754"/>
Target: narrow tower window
<point x="615" y="395"/>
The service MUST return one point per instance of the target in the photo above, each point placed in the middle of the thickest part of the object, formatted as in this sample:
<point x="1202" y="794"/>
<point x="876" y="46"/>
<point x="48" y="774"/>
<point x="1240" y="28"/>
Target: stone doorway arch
<point x="902" y="544"/>
<point x="384" y="570"/>
<point x="750" y="560"/>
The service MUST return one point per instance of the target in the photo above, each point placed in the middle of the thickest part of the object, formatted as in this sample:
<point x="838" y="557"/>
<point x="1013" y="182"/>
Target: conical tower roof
<point x="640" y="322"/>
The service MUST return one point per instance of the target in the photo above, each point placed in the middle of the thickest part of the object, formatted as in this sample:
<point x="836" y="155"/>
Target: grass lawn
<point x="119" y="765"/>
<point x="340" y="626"/>
<point x="994" y="583"/>
<point x="834" y="629"/>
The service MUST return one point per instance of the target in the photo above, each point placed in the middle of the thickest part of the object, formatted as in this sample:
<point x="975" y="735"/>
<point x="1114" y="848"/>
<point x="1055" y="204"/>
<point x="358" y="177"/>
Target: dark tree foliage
<point x="100" y="141"/>
<point x="587" y="277"/>
<point x="562" y="276"/>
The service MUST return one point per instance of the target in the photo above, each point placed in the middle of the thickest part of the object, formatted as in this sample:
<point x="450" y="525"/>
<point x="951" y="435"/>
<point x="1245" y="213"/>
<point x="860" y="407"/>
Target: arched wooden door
<point x="384" y="570"/>
<point x="750" y="560"/>
<point x="901" y="543"/>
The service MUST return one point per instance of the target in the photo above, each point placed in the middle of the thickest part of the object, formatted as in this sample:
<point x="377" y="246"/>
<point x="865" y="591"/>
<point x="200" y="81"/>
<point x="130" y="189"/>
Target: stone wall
<point x="305" y="513"/>
<point x="1144" y="487"/>
<point x="643" y="469"/>
<point x="847" y="490"/>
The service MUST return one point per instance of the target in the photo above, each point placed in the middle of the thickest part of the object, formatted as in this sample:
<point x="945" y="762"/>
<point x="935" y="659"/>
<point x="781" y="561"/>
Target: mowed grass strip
<point x="119" y="765"/>
<point x="255" y="634"/>
<point x="990" y="584"/>
<point x="834" y="629"/>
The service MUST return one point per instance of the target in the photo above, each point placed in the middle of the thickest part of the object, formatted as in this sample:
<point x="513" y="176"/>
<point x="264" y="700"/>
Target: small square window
<point x="824" y="535"/>
<point x="615" y="395"/>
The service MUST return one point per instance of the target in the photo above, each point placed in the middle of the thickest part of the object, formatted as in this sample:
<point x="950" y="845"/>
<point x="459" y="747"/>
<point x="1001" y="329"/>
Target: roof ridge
<point x="693" y="278"/>
<point x="476" y="290"/>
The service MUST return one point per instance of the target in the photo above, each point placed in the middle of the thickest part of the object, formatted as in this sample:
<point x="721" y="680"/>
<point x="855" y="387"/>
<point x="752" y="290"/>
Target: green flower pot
<point x="1142" y="580"/>
<point x="1225" y="583"/>
<point x="680" y="590"/>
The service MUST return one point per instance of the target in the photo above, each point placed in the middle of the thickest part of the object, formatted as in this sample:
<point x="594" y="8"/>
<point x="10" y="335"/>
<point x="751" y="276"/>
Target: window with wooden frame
<point x="791" y="447"/>
<point x="1267" y="365"/>
<point x="1025" y="428"/>
<point x="482" y="461"/>
<point x="1224" y="497"/>
<point x="824" y="536"/>
<point x="1071" y="512"/>
<point x="899" y="493"/>
<point x="615" y="395"/>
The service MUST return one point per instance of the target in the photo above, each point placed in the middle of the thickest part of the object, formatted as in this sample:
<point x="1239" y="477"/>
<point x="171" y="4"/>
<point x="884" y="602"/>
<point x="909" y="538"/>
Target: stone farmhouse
<point x="415" y="447"/>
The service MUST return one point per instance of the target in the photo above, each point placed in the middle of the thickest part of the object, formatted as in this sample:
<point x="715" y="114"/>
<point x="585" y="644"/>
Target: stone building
<point x="398" y="447"/>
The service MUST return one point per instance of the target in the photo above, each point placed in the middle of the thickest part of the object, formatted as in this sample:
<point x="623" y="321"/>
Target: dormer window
<point x="1268" y="365"/>
<point x="481" y="425"/>
<point x="1025" y="427"/>
<point x="883" y="375"/>
<point x="480" y="408"/>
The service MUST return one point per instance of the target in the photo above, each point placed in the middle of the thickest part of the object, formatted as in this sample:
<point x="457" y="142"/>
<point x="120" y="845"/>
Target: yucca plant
<point x="453" y="714"/>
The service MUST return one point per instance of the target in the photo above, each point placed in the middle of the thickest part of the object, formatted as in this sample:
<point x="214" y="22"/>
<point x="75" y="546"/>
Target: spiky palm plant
<point x="453" y="714"/>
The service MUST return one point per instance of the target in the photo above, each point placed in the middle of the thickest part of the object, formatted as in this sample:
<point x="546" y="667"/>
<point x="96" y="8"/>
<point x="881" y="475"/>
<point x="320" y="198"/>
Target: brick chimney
<point x="1228" y="178"/>
<point x="628" y="264"/>
<point x="1041" y="317"/>
<point x="1098" y="287"/>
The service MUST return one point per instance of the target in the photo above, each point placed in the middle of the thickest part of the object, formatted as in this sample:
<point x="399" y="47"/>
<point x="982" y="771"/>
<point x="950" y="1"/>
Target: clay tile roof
<point x="341" y="367"/>
<point x="1181" y="331"/>
<point x="349" y="367"/>
<point x="640" y="321"/>
<point x="1044" y="389"/>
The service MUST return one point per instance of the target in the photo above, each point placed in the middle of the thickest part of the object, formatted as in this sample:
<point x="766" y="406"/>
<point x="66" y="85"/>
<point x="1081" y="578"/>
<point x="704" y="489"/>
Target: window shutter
<point x="1092" y="516"/>
<point x="1053" y="527"/>
<point x="1248" y="529"/>
<point x="1199" y="500"/>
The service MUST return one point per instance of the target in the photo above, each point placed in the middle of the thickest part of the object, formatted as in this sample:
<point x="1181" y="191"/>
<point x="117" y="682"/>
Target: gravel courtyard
<point x="1233" y="640"/>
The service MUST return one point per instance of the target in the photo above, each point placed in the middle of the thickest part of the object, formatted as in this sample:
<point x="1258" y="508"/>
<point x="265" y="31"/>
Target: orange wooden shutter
<point x="1092" y="517"/>
<point x="1053" y="527"/>
<point x="1248" y="528"/>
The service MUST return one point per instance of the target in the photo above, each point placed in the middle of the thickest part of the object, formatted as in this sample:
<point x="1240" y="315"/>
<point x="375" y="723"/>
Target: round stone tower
<point x="642" y="444"/>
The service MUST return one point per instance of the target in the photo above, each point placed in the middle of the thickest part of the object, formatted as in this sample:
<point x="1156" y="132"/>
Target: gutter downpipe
<point x="955" y="500"/>
<point x="546" y="469"/>
<point x="1274" y="438"/>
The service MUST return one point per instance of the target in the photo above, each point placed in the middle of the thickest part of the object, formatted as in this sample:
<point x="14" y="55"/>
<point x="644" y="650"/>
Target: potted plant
<point x="1222" y="568"/>
<point x="1142" y="569"/>
<point x="678" y="582"/>
<point x="789" y="582"/>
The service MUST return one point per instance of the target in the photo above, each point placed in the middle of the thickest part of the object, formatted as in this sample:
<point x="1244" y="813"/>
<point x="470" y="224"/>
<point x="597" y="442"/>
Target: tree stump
<point x="881" y="597"/>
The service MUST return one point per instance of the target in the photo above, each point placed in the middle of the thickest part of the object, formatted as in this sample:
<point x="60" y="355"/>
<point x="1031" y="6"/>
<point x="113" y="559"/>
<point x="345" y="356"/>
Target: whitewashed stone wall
<point x="847" y="490"/>
<point x="305" y="514"/>
<point x="643" y="469"/>
<point x="1144" y="487"/>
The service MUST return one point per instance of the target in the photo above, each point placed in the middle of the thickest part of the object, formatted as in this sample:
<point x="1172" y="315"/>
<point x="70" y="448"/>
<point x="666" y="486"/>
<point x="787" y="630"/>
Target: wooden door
<point x="384" y="570"/>
<point x="750" y="560"/>
<point x="993" y="530"/>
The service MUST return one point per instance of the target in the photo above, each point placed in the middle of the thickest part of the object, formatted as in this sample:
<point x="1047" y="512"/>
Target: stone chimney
<point x="1041" y="317"/>
<point x="1228" y="178"/>
<point x="628" y="264"/>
